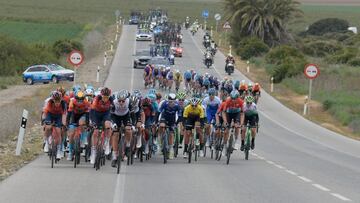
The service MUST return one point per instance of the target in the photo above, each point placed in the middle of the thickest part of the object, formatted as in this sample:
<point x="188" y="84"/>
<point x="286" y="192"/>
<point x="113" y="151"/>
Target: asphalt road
<point x="294" y="160"/>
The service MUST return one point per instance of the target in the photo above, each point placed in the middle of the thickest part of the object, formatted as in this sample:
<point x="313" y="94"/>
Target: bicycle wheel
<point x="53" y="154"/>
<point x="97" y="159"/>
<point x="229" y="149"/>
<point x="247" y="144"/>
<point x="119" y="158"/>
<point x="164" y="146"/>
<point x="189" y="153"/>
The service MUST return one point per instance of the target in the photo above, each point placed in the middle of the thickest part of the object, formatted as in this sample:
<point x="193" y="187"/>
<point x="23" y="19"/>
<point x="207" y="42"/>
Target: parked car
<point x="47" y="73"/>
<point x="142" y="58"/>
<point x="143" y="35"/>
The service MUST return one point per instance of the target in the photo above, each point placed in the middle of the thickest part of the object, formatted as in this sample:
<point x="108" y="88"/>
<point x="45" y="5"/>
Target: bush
<point x="339" y="36"/>
<point x="65" y="46"/>
<point x="343" y="56"/>
<point x="251" y="47"/>
<point x="327" y="104"/>
<point x="354" y="61"/>
<point x="321" y="48"/>
<point x="327" y="25"/>
<point x="288" y="62"/>
<point x="16" y="56"/>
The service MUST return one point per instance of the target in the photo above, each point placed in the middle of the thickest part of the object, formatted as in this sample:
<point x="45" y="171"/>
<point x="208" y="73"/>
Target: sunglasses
<point x="122" y="101"/>
<point x="181" y="100"/>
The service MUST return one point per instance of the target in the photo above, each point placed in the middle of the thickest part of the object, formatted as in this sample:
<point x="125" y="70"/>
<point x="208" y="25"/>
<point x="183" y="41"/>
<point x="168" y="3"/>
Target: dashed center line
<point x="321" y="187"/>
<point x="340" y="197"/>
<point x="291" y="172"/>
<point x="305" y="179"/>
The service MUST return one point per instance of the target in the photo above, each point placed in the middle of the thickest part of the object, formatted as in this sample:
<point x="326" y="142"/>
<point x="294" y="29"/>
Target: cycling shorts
<point x="233" y="117"/>
<point x="168" y="122"/>
<point x="54" y="118"/>
<point x="75" y="118"/>
<point x="99" y="118"/>
<point x="252" y="120"/>
<point x="190" y="122"/>
<point x="121" y="120"/>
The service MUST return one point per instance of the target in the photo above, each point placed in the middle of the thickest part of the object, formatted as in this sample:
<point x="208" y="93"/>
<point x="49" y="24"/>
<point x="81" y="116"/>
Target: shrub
<point x="354" y="61"/>
<point x="327" y="104"/>
<point x="339" y="36"/>
<point x="326" y="25"/>
<point x="343" y="56"/>
<point x="65" y="46"/>
<point x="321" y="48"/>
<point x="287" y="61"/>
<point x="251" y="47"/>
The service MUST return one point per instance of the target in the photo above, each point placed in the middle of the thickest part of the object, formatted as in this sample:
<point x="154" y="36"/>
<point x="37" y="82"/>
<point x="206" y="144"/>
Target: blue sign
<point x="205" y="13"/>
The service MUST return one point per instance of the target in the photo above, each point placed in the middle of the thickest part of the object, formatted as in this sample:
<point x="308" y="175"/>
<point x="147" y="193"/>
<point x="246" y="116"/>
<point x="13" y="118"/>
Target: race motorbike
<point x="229" y="68"/>
<point x="208" y="60"/>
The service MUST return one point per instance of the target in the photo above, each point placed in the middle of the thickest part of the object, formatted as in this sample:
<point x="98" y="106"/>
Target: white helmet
<point x="168" y="68"/>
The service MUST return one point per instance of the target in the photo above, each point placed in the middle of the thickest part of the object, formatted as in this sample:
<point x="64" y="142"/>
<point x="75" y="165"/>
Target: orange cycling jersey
<point x="243" y="87"/>
<point x="53" y="108"/>
<point x="79" y="107"/>
<point x="99" y="105"/>
<point x="221" y="107"/>
<point x="256" y="88"/>
<point x="66" y="98"/>
<point x="233" y="105"/>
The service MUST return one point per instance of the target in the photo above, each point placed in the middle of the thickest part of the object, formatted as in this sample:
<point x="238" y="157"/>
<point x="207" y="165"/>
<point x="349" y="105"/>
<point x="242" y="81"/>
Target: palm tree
<point x="265" y="19"/>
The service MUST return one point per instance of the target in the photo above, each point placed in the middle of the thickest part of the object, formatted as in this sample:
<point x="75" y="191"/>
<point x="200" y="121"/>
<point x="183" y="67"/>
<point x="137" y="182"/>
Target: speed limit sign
<point x="75" y="58"/>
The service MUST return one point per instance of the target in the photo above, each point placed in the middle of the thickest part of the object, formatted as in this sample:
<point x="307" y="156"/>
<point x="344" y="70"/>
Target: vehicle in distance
<point x="143" y="35"/>
<point x="142" y="58"/>
<point x="177" y="51"/>
<point x="47" y="73"/>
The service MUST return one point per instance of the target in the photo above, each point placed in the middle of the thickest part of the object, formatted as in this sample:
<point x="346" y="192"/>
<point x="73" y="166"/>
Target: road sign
<point x="117" y="13"/>
<point x="217" y="17"/>
<point x="227" y="25"/>
<point x="205" y="13"/>
<point x="311" y="71"/>
<point x="75" y="58"/>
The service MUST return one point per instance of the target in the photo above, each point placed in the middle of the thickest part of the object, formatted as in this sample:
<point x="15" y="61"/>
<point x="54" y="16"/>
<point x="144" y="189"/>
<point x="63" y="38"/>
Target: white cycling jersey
<point x="121" y="109"/>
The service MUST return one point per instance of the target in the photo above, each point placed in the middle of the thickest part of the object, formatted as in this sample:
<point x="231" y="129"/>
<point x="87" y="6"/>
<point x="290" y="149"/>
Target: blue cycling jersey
<point x="169" y="112"/>
<point x="187" y="75"/>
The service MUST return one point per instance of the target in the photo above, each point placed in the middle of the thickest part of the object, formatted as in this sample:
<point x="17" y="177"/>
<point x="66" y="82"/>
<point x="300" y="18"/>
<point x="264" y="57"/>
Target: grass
<point x="40" y="32"/>
<point x="9" y="80"/>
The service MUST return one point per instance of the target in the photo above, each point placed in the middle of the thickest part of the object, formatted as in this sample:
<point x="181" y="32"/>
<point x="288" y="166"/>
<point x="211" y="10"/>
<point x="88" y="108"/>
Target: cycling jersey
<point x="187" y="75"/>
<point x="101" y="106"/>
<point x="211" y="107"/>
<point x="147" y="70"/>
<point x="170" y="76"/>
<point x="178" y="77"/>
<point x="121" y="109"/>
<point x="79" y="107"/>
<point x="233" y="106"/>
<point x="168" y="113"/>
<point x="194" y="112"/>
<point x="243" y="87"/>
<point x="249" y="109"/>
<point x="52" y="108"/>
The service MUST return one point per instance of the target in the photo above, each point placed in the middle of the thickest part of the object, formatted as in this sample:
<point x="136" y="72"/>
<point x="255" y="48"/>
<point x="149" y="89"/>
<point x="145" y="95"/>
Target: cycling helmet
<point x="212" y="92"/>
<point x="158" y="95"/>
<point x="137" y="93"/>
<point x="152" y="91"/>
<point x="194" y="101"/>
<point x="152" y="97"/>
<point x="250" y="85"/>
<point x="76" y="88"/>
<point x="234" y="94"/>
<point x="122" y="95"/>
<point x="105" y="91"/>
<point x="61" y="90"/>
<point x="249" y="99"/>
<point x="89" y="92"/>
<point x="167" y="68"/>
<point x="134" y="100"/>
<point x="146" y="101"/>
<point x="79" y="95"/>
<point x="56" y="95"/>
<point x="171" y="97"/>
<point x="181" y="95"/>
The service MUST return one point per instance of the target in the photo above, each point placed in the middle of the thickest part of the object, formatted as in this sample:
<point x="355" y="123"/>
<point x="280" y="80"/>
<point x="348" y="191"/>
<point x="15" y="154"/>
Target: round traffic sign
<point x="76" y="58"/>
<point x="217" y="17"/>
<point x="311" y="71"/>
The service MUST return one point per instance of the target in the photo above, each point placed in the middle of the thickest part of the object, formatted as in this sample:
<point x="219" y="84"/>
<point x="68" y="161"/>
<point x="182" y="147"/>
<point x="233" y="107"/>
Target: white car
<point x="143" y="35"/>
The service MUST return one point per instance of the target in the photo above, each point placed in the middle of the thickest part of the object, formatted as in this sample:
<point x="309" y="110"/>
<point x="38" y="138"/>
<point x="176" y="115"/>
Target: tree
<point x="265" y="19"/>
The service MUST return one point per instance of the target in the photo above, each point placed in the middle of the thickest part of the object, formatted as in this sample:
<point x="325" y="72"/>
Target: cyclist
<point x="193" y="114"/>
<point x="149" y="113"/>
<point x="256" y="92"/>
<point x="182" y="103"/>
<point x="233" y="113"/>
<point x="77" y="118"/>
<point x="64" y="94"/>
<point x="137" y="117"/>
<point x="169" y="78"/>
<point x="54" y="112"/>
<point x="147" y="74"/>
<point x="155" y="75"/>
<point x="120" y="116"/>
<point x="100" y="116"/>
<point x="211" y="105"/>
<point x="178" y="79"/>
<point x="243" y="89"/>
<point x="169" y="110"/>
<point x="187" y="77"/>
<point x="252" y="118"/>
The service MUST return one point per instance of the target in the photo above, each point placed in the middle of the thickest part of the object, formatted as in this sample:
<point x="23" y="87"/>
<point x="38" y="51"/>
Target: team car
<point x="47" y="73"/>
<point x="143" y="35"/>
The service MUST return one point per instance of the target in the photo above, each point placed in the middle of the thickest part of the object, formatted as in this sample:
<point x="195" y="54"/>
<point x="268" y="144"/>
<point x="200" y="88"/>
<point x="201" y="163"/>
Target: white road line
<point x="120" y="185"/>
<point x="305" y="179"/>
<point x="291" y="172"/>
<point x="270" y="162"/>
<point x="279" y="166"/>
<point x="321" y="187"/>
<point x="341" y="197"/>
<point x="260" y="157"/>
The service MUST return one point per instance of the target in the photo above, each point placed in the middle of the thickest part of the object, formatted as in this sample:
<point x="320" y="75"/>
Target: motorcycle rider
<point x="229" y="59"/>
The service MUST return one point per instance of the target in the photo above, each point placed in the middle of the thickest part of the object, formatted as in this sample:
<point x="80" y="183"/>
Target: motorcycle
<point x="187" y="24"/>
<point x="208" y="60"/>
<point x="193" y="31"/>
<point x="229" y="68"/>
<point x="206" y="43"/>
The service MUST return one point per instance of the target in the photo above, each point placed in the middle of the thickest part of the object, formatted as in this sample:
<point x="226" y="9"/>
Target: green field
<point x="313" y="13"/>
<point x="40" y="32"/>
